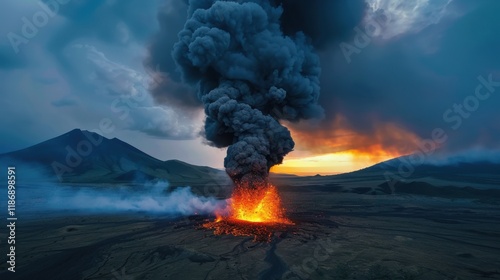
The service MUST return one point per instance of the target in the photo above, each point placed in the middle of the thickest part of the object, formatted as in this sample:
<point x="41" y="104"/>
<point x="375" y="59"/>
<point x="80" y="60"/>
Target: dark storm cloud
<point x="170" y="89"/>
<point x="90" y="55"/>
<point x="104" y="19"/>
<point x="9" y="61"/>
<point x="324" y="21"/>
<point x="120" y="23"/>
<point x="417" y="79"/>
<point x="64" y="102"/>
<point x="124" y="93"/>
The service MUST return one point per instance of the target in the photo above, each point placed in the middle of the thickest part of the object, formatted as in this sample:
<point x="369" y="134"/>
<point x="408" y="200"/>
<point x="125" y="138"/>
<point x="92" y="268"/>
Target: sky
<point x="397" y="76"/>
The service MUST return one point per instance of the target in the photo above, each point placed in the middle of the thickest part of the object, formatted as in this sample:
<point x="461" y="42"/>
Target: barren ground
<point x="336" y="236"/>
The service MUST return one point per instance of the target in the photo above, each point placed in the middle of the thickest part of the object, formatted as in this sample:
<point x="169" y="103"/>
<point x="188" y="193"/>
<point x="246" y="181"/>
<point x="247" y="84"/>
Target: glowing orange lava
<point x="257" y="205"/>
<point x="253" y="211"/>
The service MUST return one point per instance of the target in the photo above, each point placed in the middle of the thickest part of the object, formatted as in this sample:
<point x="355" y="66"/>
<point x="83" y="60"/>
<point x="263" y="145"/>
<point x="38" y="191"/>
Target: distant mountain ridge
<point x="460" y="179"/>
<point x="80" y="156"/>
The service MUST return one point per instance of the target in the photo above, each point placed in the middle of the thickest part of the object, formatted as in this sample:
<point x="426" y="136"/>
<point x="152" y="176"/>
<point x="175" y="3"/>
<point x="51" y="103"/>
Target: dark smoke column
<point x="250" y="75"/>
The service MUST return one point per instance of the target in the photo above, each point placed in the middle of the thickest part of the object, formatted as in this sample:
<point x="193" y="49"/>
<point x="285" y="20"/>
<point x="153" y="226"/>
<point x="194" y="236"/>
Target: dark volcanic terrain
<point x="336" y="236"/>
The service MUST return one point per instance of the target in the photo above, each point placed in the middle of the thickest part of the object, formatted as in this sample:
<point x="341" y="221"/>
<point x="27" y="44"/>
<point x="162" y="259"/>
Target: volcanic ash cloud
<point x="249" y="77"/>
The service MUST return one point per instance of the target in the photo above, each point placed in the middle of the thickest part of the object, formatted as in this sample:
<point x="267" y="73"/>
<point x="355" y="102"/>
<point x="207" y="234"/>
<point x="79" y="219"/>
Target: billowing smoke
<point x="249" y="75"/>
<point x="152" y="198"/>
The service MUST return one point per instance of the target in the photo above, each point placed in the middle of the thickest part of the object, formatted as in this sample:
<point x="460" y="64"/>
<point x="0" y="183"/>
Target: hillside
<point x="85" y="157"/>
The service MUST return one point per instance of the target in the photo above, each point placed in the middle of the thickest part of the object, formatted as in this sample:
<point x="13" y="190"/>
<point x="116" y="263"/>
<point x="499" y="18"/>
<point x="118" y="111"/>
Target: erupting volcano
<point x="250" y="75"/>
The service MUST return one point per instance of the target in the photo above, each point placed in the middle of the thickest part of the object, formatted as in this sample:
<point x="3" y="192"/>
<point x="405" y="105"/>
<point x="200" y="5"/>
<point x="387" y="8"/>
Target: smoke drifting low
<point x="249" y="75"/>
<point x="151" y="198"/>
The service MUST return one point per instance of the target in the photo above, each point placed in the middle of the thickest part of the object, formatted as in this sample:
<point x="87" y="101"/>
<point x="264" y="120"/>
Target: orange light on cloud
<point x="340" y="149"/>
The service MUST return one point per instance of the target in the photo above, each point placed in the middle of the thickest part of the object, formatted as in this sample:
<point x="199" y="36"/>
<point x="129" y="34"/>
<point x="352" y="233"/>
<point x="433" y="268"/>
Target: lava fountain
<point x="257" y="205"/>
<point x="249" y="76"/>
<point x="253" y="211"/>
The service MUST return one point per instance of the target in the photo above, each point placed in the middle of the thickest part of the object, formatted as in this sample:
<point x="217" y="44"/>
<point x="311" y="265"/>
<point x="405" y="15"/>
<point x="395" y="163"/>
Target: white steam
<point x="155" y="198"/>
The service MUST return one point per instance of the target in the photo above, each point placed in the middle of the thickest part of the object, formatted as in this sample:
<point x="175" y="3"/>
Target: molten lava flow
<point x="254" y="211"/>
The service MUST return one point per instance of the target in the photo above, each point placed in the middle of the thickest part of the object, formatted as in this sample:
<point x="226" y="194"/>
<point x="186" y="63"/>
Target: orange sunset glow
<point x="329" y="164"/>
<point x="333" y="163"/>
<point x="341" y="149"/>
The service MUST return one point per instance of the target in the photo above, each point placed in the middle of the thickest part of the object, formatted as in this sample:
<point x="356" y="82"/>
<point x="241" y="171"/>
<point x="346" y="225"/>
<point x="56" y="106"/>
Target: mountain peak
<point x="77" y="132"/>
<point x="85" y="156"/>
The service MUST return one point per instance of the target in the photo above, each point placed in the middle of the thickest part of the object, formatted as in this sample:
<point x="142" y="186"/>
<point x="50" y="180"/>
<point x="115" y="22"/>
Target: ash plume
<point x="249" y="75"/>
